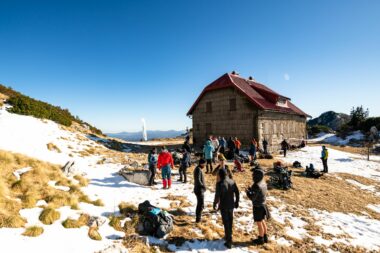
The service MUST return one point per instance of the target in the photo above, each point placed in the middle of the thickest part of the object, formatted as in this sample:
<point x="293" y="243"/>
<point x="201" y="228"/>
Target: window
<point x="232" y="104"/>
<point x="208" y="106"/>
<point x="208" y="129"/>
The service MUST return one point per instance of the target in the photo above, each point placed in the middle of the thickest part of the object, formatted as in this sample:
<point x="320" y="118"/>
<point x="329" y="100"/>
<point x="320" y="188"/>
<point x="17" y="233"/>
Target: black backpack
<point x="154" y="221"/>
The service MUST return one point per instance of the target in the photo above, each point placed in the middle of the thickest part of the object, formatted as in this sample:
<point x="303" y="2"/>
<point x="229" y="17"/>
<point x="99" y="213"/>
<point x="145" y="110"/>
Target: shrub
<point x="49" y="215"/>
<point x="115" y="223"/>
<point x="25" y="105"/>
<point x="33" y="231"/>
<point x="11" y="220"/>
<point x="126" y="208"/>
<point x="314" y="130"/>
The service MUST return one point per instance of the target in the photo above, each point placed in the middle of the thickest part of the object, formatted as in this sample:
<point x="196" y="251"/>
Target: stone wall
<point x="276" y="127"/>
<point x="221" y="121"/>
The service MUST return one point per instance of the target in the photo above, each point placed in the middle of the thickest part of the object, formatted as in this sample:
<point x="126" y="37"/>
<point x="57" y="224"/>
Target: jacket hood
<point x="258" y="175"/>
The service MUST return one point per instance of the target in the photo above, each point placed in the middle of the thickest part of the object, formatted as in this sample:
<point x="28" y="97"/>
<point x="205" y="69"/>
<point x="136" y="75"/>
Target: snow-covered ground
<point x="30" y="136"/>
<point x="333" y="139"/>
<point x="338" y="161"/>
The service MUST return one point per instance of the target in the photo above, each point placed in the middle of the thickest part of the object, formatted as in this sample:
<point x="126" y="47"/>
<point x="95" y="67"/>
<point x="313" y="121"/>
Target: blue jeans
<point x="166" y="172"/>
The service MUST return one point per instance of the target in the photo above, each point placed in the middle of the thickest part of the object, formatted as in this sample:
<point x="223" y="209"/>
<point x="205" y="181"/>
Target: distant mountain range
<point x="331" y="119"/>
<point x="152" y="134"/>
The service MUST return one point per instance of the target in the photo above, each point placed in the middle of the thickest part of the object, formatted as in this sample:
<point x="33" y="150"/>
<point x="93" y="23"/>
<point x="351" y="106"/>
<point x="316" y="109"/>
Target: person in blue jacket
<point x="208" y="151"/>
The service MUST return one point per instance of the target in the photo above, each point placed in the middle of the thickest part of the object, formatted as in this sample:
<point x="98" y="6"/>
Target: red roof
<point x="258" y="94"/>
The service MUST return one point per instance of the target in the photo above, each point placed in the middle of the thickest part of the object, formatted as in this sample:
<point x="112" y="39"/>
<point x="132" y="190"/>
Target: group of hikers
<point x="226" y="191"/>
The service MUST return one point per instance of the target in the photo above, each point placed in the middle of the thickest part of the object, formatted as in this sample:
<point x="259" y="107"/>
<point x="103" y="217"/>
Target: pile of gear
<point x="311" y="172"/>
<point x="282" y="178"/>
<point x="154" y="221"/>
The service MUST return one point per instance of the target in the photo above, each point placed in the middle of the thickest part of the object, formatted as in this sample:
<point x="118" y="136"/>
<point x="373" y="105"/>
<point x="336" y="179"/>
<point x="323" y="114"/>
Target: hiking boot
<point x="266" y="238"/>
<point x="179" y="180"/>
<point x="228" y="245"/>
<point x="258" y="241"/>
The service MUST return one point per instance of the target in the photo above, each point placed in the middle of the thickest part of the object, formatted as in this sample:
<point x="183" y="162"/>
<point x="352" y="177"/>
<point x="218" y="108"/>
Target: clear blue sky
<point x="115" y="62"/>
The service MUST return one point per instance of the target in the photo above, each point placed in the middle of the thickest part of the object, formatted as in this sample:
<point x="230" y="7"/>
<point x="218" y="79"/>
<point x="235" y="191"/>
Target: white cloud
<point x="286" y="77"/>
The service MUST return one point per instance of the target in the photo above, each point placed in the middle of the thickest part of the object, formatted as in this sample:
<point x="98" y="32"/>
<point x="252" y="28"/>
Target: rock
<point x="96" y="221"/>
<point x="135" y="165"/>
<point x="136" y="176"/>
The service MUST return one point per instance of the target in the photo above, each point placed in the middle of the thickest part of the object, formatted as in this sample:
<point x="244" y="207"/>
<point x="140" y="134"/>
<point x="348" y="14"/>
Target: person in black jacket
<point x="285" y="146"/>
<point x="265" y="146"/>
<point x="185" y="163"/>
<point x="199" y="189"/>
<point x="257" y="193"/>
<point x="226" y="190"/>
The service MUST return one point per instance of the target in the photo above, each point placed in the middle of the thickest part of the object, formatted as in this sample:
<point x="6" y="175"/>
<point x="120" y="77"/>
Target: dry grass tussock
<point x="80" y="222"/>
<point x="93" y="233"/>
<point x="49" y="215"/>
<point x="33" y="231"/>
<point x="53" y="147"/>
<point x="32" y="186"/>
<point x="82" y="180"/>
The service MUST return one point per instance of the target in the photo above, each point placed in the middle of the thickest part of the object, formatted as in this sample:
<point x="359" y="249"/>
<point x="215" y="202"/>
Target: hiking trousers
<point x="183" y="173"/>
<point x="227" y="218"/>
<point x="152" y="169"/>
<point x="209" y="164"/>
<point x="200" y="204"/>
<point x="325" y="167"/>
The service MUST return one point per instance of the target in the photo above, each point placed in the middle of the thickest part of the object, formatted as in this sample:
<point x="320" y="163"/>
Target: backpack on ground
<point x="154" y="221"/>
<point x="282" y="178"/>
<point x="297" y="164"/>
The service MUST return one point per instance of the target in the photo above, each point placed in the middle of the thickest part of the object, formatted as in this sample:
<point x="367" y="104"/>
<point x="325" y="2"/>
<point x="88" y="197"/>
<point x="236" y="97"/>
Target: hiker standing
<point x="253" y="149"/>
<point x="222" y="166"/>
<point x="199" y="189"/>
<point x="265" y="146"/>
<point x="215" y="144"/>
<point x="237" y="146"/>
<point x="186" y="144"/>
<point x="222" y="145"/>
<point x="257" y="193"/>
<point x="152" y="160"/>
<point x="324" y="157"/>
<point x="165" y="164"/>
<point x="208" y="152"/>
<point x="185" y="163"/>
<point x="231" y="148"/>
<point x="284" y="146"/>
<point x="226" y="199"/>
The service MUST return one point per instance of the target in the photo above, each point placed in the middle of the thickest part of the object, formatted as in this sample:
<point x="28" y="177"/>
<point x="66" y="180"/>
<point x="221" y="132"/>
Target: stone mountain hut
<point x="233" y="106"/>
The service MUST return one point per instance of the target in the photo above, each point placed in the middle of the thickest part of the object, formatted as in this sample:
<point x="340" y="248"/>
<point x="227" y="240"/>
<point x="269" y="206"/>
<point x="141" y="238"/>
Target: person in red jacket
<point x="165" y="164"/>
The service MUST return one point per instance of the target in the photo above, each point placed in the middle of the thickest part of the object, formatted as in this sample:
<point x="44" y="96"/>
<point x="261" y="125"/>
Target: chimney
<point x="250" y="78"/>
<point x="234" y="73"/>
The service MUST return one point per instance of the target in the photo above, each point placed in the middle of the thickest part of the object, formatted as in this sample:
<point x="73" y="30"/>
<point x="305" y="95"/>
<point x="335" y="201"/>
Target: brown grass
<point x="33" y="231"/>
<point x="53" y="147"/>
<point x="93" y="233"/>
<point x="82" y="180"/>
<point x="81" y="221"/>
<point x="49" y="215"/>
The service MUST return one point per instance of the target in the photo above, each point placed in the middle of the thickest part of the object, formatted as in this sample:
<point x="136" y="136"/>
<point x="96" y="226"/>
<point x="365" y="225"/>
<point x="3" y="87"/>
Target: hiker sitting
<point x="311" y="172"/>
<point x="237" y="164"/>
<point x="185" y="164"/>
<point x="208" y="152"/>
<point x="226" y="199"/>
<point x="152" y="160"/>
<point x="257" y="193"/>
<point x="165" y="164"/>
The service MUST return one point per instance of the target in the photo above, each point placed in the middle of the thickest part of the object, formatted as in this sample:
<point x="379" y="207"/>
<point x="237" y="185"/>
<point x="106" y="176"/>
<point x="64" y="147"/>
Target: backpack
<point x="154" y="221"/>
<point x="297" y="164"/>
